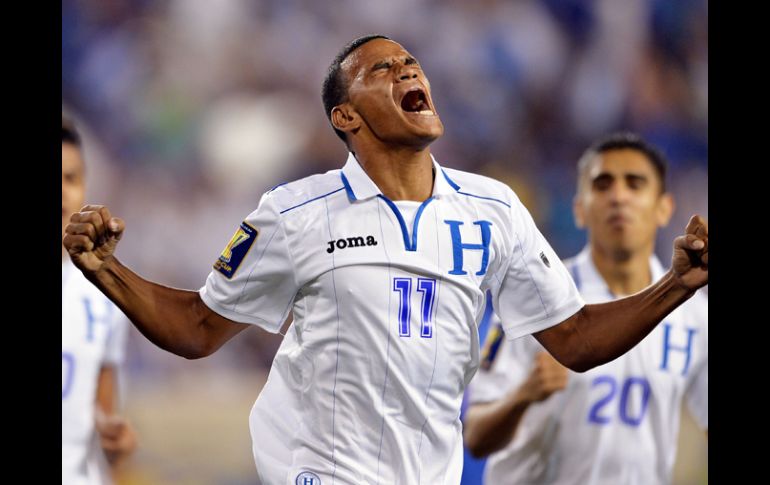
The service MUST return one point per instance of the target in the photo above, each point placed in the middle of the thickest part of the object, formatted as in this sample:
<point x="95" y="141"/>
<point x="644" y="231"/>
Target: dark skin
<point x="392" y="146"/>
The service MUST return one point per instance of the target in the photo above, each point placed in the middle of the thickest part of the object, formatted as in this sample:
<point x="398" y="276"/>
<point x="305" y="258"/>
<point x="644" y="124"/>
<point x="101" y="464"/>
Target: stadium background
<point x="191" y="109"/>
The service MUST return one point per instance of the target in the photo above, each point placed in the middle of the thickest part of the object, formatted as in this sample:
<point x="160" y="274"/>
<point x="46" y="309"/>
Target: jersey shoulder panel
<point x="302" y="192"/>
<point x="481" y="186"/>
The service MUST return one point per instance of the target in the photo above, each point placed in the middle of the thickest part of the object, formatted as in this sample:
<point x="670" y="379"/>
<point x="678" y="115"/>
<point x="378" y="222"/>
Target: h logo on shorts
<point x="307" y="478"/>
<point x="458" y="246"/>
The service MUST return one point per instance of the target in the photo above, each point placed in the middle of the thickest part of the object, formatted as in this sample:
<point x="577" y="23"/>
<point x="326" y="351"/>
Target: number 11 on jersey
<point x="426" y="286"/>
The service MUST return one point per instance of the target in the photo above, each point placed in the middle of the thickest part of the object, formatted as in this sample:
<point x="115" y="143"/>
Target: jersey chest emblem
<point x="458" y="246"/>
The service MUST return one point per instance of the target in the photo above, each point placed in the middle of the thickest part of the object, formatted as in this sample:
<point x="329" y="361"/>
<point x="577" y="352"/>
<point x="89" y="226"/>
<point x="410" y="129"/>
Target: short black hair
<point x="622" y="140"/>
<point x="69" y="134"/>
<point x="335" y="90"/>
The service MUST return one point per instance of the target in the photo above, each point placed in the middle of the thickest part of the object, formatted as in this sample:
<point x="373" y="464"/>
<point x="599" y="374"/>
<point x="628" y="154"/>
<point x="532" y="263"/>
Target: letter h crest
<point x="458" y="246"/>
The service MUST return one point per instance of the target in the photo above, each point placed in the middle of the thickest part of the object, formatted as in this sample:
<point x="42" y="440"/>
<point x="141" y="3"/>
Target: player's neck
<point x="400" y="174"/>
<point x="625" y="274"/>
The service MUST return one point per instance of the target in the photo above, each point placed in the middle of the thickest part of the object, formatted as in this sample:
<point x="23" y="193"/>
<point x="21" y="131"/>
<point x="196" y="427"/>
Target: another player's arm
<point x="116" y="434"/>
<point x="490" y="426"/>
<point x="175" y="320"/>
<point x="599" y="333"/>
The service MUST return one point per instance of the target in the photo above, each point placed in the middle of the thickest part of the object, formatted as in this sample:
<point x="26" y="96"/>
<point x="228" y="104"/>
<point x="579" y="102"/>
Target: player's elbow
<point x="191" y="353"/>
<point x="576" y="358"/>
<point x="476" y="449"/>
<point x="569" y="345"/>
<point x="204" y="337"/>
<point x="579" y="366"/>
<point x="202" y="349"/>
<point x="196" y="347"/>
<point x="475" y="452"/>
<point x="479" y="448"/>
<point x="472" y="444"/>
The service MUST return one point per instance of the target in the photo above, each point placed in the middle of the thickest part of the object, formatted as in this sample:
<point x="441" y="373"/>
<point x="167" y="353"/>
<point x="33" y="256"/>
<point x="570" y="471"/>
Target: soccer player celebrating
<point x="384" y="264"/>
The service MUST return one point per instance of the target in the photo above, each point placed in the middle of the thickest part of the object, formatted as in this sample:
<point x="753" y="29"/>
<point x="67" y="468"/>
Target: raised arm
<point x="175" y="320"/>
<point x="602" y="332"/>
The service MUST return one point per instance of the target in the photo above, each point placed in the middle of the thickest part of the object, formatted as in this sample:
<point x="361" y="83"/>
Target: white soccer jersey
<point x="93" y="335"/>
<point x="367" y="385"/>
<point x="616" y="424"/>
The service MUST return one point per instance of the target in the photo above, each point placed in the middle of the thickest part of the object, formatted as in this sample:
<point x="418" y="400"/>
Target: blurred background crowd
<point x="191" y="109"/>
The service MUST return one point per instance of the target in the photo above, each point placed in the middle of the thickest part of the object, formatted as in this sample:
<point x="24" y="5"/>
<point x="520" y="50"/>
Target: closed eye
<point x="381" y="65"/>
<point x="409" y="61"/>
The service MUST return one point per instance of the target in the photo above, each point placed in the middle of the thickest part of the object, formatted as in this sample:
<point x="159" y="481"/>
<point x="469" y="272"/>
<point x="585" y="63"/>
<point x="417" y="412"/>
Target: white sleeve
<point x="253" y="280"/>
<point x="115" y="351"/>
<point x="535" y="290"/>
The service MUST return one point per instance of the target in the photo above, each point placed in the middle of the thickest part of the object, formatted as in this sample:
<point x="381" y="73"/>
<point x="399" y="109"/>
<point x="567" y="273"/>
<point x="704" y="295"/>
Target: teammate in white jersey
<point x="94" y="437"/>
<point x="617" y="423"/>
<point x="368" y="382"/>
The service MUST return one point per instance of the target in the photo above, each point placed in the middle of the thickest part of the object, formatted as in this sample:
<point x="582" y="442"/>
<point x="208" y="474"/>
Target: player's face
<point x="620" y="202"/>
<point x="391" y="94"/>
<point x="72" y="182"/>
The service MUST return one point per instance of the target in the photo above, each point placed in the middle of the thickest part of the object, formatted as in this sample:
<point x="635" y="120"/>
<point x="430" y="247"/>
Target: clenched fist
<point x="91" y="237"/>
<point x="690" y="261"/>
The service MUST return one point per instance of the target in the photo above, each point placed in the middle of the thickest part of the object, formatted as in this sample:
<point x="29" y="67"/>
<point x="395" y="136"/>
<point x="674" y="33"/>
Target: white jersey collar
<point x="587" y="277"/>
<point x="359" y="186"/>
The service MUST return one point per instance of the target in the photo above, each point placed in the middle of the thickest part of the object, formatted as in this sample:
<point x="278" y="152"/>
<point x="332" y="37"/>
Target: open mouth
<point x="415" y="101"/>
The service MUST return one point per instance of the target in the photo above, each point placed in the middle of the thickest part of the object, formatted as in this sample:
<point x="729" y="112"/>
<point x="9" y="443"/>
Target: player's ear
<point x="665" y="209"/>
<point x="345" y="118"/>
<point x="578" y="212"/>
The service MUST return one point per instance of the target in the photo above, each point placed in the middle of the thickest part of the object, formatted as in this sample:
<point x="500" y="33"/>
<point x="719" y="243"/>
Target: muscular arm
<point x="601" y="332"/>
<point x="175" y="320"/>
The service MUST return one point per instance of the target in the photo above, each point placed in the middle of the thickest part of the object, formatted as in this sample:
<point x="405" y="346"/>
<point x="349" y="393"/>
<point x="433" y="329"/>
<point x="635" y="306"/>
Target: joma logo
<point x="351" y="242"/>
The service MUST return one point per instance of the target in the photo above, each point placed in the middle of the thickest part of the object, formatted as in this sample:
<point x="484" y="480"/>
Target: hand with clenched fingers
<point x="91" y="237"/>
<point x="690" y="260"/>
